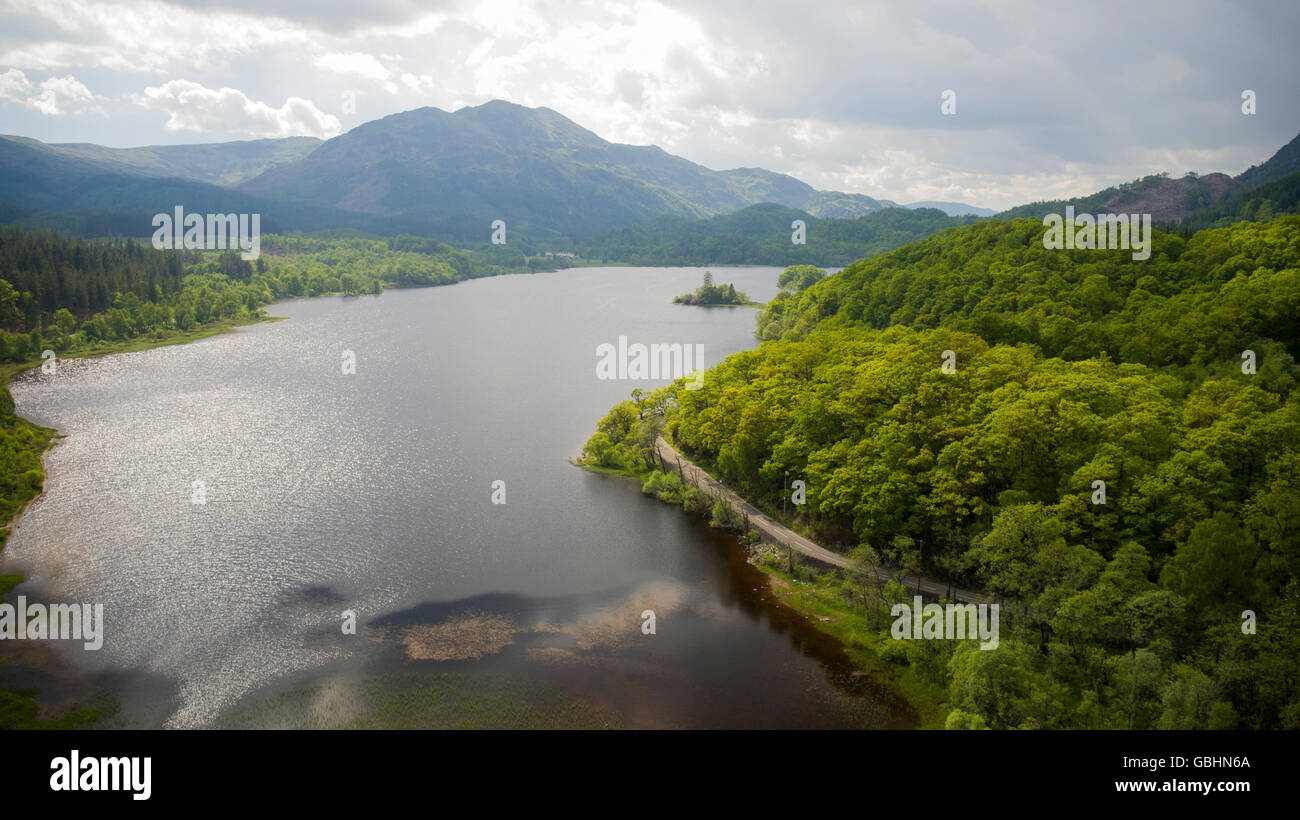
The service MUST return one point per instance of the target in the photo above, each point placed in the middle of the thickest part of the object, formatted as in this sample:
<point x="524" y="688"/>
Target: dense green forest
<point x="954" y="406"/>
<point x="761" y="235"/>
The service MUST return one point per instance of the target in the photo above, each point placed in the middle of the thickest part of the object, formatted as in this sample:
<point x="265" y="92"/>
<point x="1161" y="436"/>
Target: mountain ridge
<point x="503" y="160"/>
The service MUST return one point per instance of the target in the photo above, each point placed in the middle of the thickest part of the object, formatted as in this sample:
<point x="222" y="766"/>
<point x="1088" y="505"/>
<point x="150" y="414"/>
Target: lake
<point x="371" y="492"/>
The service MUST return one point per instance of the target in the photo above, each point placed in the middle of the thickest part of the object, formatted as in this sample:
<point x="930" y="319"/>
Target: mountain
<point x="1284" y="163"/>
<point x="953" y="208"/>
<point x="536" y="169"/>
<point x="1167" y="200"/>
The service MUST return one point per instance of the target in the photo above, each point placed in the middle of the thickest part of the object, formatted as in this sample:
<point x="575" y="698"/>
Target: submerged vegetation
<point x="1111" y="447"/>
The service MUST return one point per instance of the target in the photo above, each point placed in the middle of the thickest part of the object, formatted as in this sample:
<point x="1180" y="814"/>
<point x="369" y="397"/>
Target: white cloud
<point x="14" y="86"/>
<point x="421" y="84"/>
<point x="136" y="35"/>
<point x="191" y="106"/>
<point x="357" y="64"/>
<point x="56" y="95"/>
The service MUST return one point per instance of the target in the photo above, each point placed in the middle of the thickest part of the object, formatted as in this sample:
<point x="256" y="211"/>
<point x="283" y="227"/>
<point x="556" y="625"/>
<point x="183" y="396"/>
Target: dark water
<point x="371" y="492"/>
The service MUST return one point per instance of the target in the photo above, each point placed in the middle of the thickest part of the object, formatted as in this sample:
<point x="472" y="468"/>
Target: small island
<point x="710" y="295"/>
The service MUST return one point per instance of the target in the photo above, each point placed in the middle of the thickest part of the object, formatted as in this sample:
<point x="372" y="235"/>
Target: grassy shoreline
<point x="9" y="370"/>
<point x="810" y="595"/>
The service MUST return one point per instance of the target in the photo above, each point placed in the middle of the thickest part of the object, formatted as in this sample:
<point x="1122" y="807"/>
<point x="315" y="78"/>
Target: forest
<point x="761" y="235"/>
<point x="1110" y="447"/>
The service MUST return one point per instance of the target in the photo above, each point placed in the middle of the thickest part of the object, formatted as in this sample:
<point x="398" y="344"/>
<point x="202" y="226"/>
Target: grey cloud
<point x="335" y="18"/>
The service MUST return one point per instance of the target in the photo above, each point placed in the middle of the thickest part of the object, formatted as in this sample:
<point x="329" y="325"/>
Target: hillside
<point x="1284" y="163"/>
<point x="1261" y="203"/>
<point x="219" y="163"/>
<point x="35" y="177"/>
<point x="995" y="279"/>
<point x="1075" y="433"/>
<point x="1167" y="200"/>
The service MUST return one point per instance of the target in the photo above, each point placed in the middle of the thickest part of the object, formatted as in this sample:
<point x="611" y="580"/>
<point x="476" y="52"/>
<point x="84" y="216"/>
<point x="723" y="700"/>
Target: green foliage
<point x="797" y="278"/>
<point x="1196" y="303"/>
<point x="1071" y="368"/>
<point x="725" y="517"/>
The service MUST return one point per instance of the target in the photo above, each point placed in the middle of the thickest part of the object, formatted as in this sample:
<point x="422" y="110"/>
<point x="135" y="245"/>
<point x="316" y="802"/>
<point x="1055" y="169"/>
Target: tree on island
<point x="711" y="294"/>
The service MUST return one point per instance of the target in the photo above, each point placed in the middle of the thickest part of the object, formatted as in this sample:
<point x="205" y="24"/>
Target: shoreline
<point x="23" y="708"/>
<point x="804" y="591"/>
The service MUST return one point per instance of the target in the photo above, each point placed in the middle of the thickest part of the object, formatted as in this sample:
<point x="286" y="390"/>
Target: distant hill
<point x="44" y="184"/>
<point x="37" y="176"/>
<point x="1284" y="163"/>
<point x="536" y="169"/>
<point x="1167" y="200"/>
<point x="220" y="163"/>
<point x="953" y="208"/>
<point x="760" y="234"/>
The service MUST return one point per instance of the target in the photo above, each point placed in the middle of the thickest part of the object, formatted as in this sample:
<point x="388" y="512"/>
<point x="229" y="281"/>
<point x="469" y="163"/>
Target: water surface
<point x="371" y="492"/>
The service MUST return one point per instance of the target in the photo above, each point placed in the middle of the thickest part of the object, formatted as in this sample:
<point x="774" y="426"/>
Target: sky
<point x="1048" y="99"/>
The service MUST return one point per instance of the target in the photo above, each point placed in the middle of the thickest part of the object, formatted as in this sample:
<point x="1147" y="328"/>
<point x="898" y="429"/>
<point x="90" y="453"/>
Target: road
<point x="774" y="532"/>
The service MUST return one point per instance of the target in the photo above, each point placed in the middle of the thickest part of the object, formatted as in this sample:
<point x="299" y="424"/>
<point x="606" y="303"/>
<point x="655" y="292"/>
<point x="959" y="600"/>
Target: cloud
<point x="357" y="64"/>
<point x="135" y="35"/>
<point x="14" y="86"/>
<point x="844" y="95"/>
<point x="419" y="84"/>
<point x="56" y="95"/>
<point x="193" y="107"/>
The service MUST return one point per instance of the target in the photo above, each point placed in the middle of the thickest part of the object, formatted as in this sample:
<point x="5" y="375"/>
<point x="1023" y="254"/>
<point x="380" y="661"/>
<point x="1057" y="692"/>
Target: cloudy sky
<point x="1051" y="99"/>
